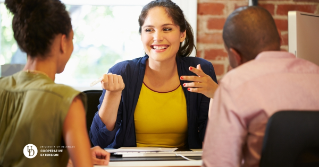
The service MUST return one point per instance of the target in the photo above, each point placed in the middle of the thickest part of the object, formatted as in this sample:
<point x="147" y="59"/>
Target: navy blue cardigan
<point x="132" y="72"/>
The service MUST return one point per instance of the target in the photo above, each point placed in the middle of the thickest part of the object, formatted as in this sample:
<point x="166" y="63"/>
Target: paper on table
<point x="141" y="149"/>
<point x="197" y="150"/>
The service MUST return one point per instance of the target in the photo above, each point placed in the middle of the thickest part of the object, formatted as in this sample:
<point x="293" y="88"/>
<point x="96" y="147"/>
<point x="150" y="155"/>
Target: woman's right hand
<point x="112" y="82"/>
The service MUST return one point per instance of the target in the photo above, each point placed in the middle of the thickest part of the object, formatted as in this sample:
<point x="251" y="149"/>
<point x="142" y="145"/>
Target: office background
<point x="98" y="47"/>
<point x="211" y="16"/>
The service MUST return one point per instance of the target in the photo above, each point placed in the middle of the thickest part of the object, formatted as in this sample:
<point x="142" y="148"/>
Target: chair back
<point x="291" y="139"/>
<point x="93" y="97"/>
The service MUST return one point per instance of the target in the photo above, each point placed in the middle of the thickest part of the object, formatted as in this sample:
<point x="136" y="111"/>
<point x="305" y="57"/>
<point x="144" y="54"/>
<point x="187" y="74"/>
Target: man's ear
<point x="63" y="43"/>
<point x="237" y="59"/>
<point x="183" y="36"/>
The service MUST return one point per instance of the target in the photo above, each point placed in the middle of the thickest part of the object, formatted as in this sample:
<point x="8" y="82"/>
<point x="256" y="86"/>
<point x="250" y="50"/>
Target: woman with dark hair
<point x="154" y="110"/>
<point x="34" y="110"/>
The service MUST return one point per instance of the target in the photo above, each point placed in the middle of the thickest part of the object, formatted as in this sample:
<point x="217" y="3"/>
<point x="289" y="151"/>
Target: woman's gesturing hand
<point x="202" y="83"/>
<point x="112" y="82"/>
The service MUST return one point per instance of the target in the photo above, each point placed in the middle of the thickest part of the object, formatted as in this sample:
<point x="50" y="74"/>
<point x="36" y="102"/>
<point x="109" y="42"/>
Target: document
<point x="140" y="149"/>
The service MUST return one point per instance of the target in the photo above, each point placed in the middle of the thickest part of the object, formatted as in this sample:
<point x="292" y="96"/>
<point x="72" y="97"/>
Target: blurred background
<point x="105" y="32"/>
<point x="94" y="43"/>
<point x="103" y="36"/>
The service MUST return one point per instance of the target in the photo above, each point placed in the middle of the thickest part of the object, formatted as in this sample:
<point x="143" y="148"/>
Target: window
<point x="105" y="32"/>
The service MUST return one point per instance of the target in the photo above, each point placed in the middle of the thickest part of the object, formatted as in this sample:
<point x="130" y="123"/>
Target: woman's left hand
<point x="100" y="156"/>
<point x="202" y="83"/>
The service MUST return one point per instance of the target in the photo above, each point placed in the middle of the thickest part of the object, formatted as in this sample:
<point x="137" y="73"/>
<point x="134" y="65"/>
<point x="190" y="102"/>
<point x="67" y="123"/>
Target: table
<point x="159" y="161"/>
<point x="155" y="163"/>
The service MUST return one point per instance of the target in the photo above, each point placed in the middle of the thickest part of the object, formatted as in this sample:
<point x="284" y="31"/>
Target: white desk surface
<point x="154" y="163"/>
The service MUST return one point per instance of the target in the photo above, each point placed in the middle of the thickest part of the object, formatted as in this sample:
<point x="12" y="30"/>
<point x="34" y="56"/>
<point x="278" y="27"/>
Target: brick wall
<point x="211" y="16"/>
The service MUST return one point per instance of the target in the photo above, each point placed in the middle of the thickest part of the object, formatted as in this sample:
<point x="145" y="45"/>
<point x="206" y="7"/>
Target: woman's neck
<point x="161" y="70"/>
<point x="161" y="76"/>
<point x="46" y="66"/>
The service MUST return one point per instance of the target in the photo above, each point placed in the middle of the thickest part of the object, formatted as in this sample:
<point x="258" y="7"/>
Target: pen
<point x="96" y="81"/>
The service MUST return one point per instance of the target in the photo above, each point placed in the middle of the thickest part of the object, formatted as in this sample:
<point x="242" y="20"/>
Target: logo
<point x="30" y="151"/>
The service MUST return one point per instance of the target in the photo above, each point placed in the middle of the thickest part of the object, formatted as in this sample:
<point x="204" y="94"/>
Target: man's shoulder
<point x="268" y="67"/>
<point x="241" y="74"/>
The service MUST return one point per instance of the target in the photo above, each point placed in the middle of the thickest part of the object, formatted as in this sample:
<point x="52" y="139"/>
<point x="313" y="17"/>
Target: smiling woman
<point x="143" y="102"/>
<point x="161" y="37"/>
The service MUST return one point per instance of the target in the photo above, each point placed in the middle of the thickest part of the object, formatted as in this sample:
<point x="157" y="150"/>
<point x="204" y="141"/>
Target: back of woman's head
<point x="176" y="14"/>
<point x="36" y="23"/>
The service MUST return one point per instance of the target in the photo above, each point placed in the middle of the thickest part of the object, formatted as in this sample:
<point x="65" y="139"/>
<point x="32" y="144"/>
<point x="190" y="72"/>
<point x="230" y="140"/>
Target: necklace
<point x="36" y="72"/>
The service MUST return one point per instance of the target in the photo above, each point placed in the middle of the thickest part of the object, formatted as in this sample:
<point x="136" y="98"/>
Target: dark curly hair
<point x="175" y="12"/>
<point x="37" y="22"/>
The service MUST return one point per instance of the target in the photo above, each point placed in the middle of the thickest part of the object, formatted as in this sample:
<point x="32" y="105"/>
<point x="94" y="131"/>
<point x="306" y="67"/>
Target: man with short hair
<point x="264" y="80"/>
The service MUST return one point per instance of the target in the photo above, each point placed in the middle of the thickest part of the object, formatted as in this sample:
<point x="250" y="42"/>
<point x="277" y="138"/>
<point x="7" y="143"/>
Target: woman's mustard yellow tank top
<point x="161" y="118"/>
